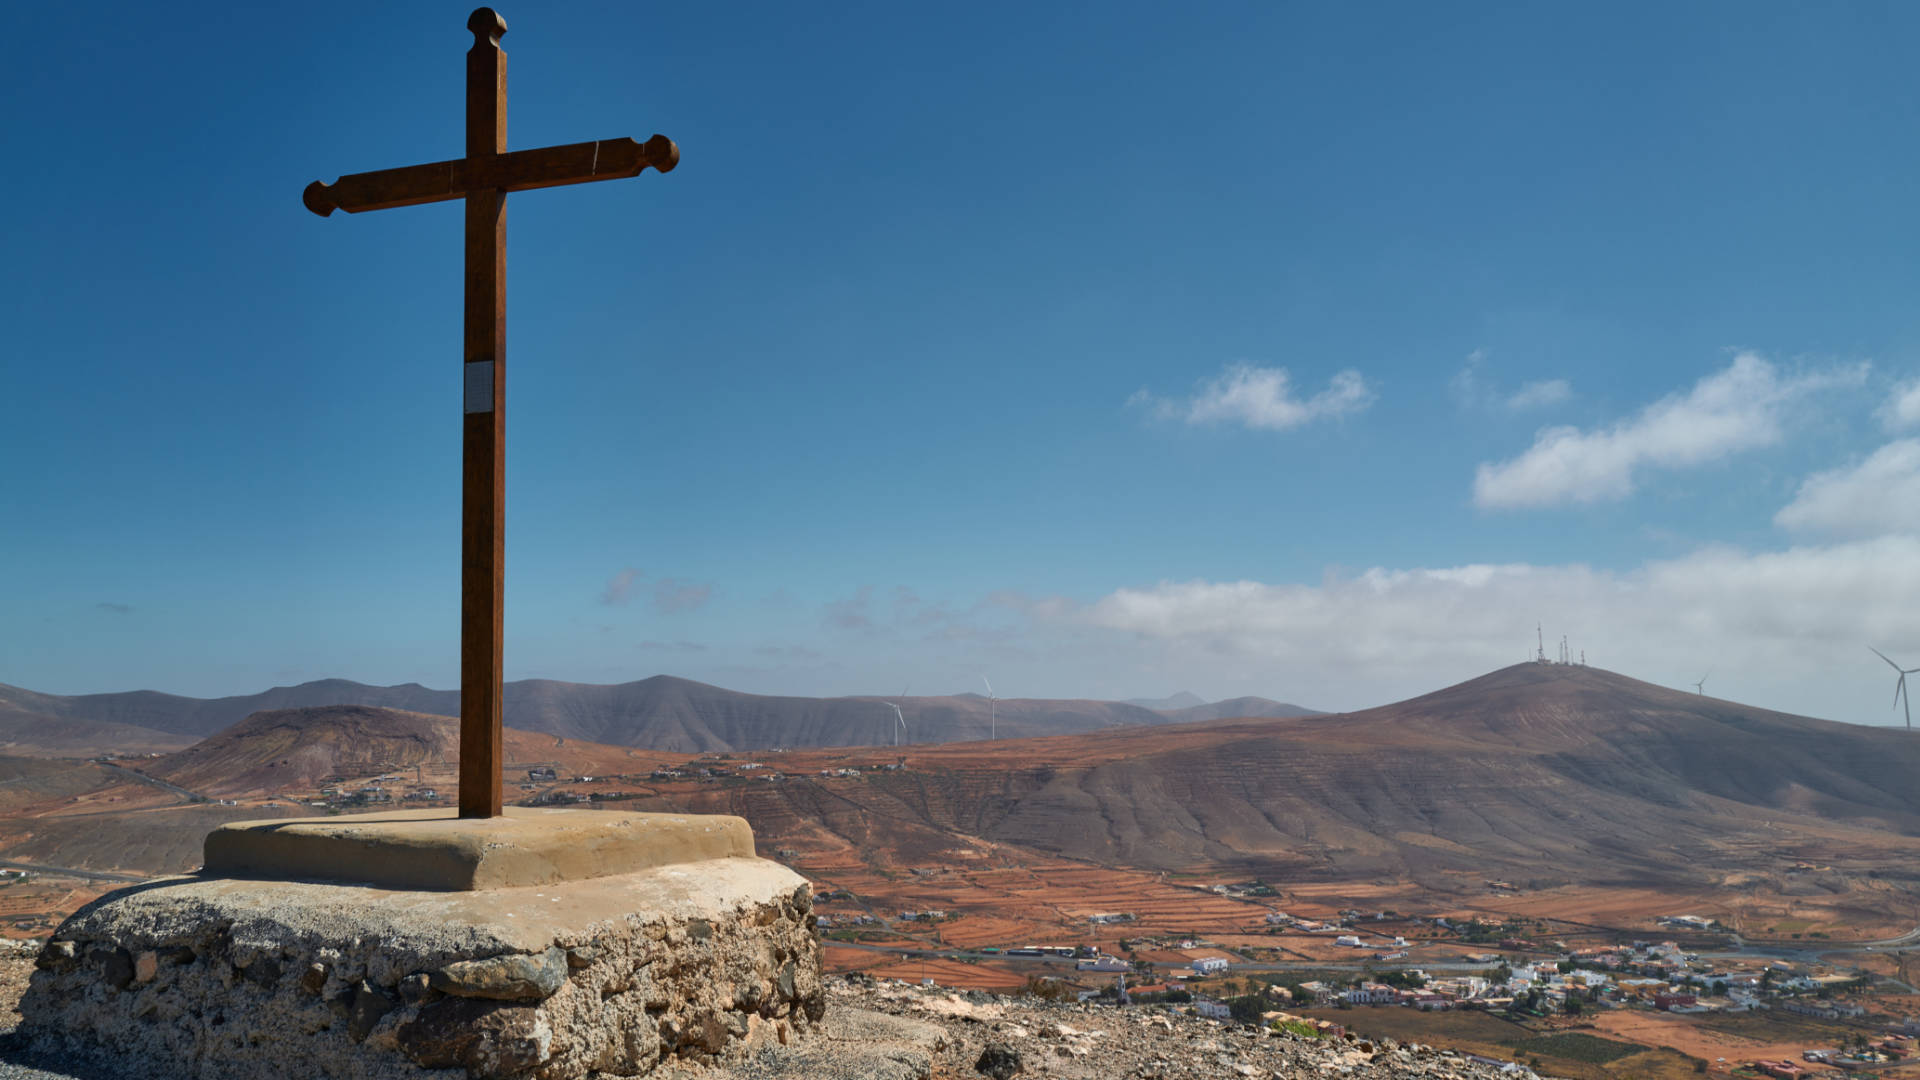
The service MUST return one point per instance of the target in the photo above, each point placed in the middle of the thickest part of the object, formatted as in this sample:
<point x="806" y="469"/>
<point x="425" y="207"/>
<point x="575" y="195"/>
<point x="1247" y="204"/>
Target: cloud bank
<point x="1739" y="409"/>
<point x="1875" y="497"/>
<point x="1783" y="620"/>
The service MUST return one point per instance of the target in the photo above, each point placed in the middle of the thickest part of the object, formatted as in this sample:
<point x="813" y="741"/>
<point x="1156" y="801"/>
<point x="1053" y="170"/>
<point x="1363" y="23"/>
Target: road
<point x="142" y="778"/>
<point x="70" y="871"/>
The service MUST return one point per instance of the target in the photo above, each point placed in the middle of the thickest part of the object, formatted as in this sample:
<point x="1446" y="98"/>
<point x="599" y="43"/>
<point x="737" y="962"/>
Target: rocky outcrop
<point x="236" y="980"/>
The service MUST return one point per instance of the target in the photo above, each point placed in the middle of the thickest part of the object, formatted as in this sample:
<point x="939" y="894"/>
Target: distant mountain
<point x="1538" y="774"/>
<point x="660" y="713"/>
<point x="1239" y="708"/>
<point x="1185" y="699"/>
<point x="29" y="725"/>
<point x="199" y="717"/>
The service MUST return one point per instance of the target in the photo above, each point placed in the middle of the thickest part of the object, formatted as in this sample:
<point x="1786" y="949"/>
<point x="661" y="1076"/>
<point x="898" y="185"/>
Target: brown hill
<point x="660" y="713"/>
<point x="1537" y="774"/>
<point x="295" y="750"/>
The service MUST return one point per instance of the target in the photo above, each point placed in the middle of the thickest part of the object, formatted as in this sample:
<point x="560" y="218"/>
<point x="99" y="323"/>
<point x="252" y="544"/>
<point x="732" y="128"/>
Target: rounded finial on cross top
<point x="486" y="23"/>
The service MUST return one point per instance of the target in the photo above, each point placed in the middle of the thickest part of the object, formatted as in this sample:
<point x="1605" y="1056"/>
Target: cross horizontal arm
<point x="522" y="170"/>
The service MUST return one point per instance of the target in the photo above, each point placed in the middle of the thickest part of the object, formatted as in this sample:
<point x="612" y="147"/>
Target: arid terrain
<point x="1585" y="795"/>
<point x="1573" y="807"/>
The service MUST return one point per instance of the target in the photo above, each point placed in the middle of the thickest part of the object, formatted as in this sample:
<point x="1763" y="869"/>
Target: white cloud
<point x="1540" y="395"/>
<point x="1263" y="398"/>
<point x="1730" y="411"/>
<point x="1875" y="497"/>
<point x="1786" y="629"/>
<point x="1471" y="390"/>
<point x="1903" y="409"/>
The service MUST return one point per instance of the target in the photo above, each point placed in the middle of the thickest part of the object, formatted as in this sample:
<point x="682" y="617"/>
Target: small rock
<point x="264" y="972"/>
<point x="415" y="988"/>
<point x="998" y="1061"/>
<point x="486" y="1038"/>
<point x="116" y="966"/>
<point x="146" y="966"/>
<point x="58" y="956"/>
<point x="314" y="978"/>
<point x="370" y="1003"/>
<point x="514" y="977"/>
<point x="785" y="980"/>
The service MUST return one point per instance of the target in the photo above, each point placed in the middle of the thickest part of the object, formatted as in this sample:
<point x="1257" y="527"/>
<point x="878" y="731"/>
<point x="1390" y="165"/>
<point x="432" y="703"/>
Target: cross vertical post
<point x="483" y="457"/>
<point x="483" y="178"/>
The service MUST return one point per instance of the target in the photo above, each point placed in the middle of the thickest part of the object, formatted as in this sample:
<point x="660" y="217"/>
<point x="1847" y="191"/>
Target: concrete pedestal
<point x="434" y="849"/>
<point x="245" y="978"/>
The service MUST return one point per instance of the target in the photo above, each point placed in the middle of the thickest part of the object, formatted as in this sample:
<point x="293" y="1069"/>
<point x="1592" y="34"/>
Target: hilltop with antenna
<point x="1565" y="654"/>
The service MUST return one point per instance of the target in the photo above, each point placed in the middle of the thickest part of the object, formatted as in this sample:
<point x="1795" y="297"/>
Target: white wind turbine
<point x="900" y="718"/>
<point x="1899" y="688"/>
<point x="1701" y="686"/>
<point x="993" y="726"/>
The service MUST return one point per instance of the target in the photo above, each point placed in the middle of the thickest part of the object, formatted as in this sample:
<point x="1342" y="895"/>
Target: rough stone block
<point x="235" y="980"/>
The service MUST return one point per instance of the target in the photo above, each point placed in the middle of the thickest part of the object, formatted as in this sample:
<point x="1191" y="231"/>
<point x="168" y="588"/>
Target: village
<point x="1561" y="994"/>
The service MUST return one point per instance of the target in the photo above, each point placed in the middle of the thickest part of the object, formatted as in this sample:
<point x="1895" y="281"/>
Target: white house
<point x="1207" y="965"/>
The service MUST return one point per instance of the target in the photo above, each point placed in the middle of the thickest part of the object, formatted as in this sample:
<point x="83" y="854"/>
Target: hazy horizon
<point x="935" y="693"/>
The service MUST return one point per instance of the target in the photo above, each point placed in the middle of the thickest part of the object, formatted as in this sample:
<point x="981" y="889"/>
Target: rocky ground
<point x="894" y="1031"/>
<point x="963" y="1035"/>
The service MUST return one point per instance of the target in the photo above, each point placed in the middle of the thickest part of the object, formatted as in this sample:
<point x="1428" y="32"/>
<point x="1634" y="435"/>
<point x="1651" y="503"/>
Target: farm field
<point x="1580" y="1055"/>
<point x="1737" y="1038"/>
<point x="884" y="965"/>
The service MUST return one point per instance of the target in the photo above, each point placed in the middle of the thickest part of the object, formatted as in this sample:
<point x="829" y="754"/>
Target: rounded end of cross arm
<point x="662" y="153"/>
<point x="319" y="199"/>
<point x="486" y="24"/>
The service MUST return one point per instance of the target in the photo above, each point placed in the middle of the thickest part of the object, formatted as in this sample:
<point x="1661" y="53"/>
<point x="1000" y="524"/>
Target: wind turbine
<point x="1899" y="688"/>
<point x="899" y="717"/>
<point x="1701" y="686"/>
<point x="993" y="726"/>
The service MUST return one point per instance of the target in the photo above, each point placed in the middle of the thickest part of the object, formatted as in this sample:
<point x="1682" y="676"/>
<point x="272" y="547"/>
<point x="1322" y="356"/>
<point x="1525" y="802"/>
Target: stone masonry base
<point x="235" y="980"/>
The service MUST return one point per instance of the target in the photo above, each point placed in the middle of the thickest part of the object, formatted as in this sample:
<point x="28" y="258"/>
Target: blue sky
<point x="1308" y="351"/>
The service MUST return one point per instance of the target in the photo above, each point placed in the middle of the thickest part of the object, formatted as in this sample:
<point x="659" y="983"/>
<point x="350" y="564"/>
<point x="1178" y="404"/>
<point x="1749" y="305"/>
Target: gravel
<point x="1062" y="1041"/>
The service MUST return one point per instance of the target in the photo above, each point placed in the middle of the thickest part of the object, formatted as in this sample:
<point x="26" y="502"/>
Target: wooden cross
<point x="483" y="178"/>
